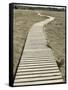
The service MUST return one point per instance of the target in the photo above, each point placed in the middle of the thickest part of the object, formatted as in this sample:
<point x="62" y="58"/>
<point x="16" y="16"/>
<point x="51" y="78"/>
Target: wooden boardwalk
<point x="37" y="65"/>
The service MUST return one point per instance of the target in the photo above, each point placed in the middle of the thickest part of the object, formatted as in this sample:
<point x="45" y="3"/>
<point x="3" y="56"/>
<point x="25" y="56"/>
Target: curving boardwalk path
<point x="37" y="65"/>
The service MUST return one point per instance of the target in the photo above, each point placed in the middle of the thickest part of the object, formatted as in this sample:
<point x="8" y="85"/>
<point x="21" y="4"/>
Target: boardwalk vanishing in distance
<point x="37" y="64"/>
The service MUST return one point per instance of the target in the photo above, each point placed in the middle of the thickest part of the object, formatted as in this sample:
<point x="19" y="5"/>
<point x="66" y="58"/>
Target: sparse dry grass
<point x="23" y="20"/>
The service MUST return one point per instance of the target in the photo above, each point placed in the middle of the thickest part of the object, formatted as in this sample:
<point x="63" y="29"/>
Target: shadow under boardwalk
<point x="37" y="64"/>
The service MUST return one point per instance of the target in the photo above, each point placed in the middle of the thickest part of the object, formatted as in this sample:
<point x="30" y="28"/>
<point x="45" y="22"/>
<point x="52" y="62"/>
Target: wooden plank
<point x="37" y="75"/>
<point x="39" y="82"/>
<point x="37" y="79"/>
<point x="37" y="72"/>
<point x="36" y="66"/>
